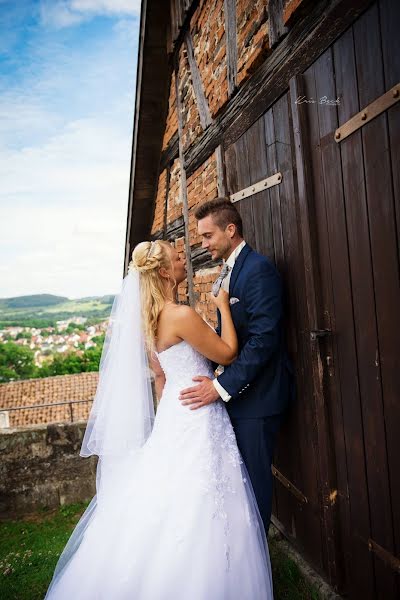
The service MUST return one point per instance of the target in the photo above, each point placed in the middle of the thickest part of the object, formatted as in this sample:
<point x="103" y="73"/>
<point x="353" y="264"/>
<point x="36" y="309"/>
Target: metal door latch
<point x="319" y="333"/>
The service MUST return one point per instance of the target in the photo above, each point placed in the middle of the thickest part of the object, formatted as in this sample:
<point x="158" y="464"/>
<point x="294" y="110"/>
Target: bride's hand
<point x="221" y="300"/>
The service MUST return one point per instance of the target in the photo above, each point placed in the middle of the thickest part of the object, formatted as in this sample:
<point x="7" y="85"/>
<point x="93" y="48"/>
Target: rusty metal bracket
<point x="264" y="184"/>
<point x="392" y="561"/>
<point x="368" y="113"/>
<point x="289" y="485"/>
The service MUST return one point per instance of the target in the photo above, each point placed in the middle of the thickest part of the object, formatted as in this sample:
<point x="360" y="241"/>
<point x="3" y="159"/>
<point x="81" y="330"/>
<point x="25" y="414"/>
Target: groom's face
<point x="217" y="241"/>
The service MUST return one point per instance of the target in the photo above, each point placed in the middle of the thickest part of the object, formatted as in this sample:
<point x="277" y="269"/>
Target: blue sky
<point x="67" y="87"/>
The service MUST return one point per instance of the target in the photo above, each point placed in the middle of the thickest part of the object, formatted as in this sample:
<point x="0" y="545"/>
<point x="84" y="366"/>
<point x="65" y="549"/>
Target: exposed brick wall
<point x="158" y="220"/>
<point x="201" y="186"/>
<point x="207" y="27"/>
<point x="252" y="36"/>
<point x="291" y="9"/>
<point x="208" y="32"/>
<point x="203" y="281"/>
<point x="47" y="390"/>
<point x="172" y="118"/>
<point x="190" y="114"/>
<point x="174" y="203"/>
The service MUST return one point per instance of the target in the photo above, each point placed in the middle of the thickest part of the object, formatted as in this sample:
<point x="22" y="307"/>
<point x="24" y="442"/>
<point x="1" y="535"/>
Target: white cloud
<point x="128" y="7"/>
<point x="63" y="214"/>
<point x="67" y="13"/>
<point x="65" y="145"/>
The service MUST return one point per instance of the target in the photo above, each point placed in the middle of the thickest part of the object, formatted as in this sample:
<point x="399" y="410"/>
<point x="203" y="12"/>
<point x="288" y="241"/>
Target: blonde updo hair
<point x="148" y="258"/>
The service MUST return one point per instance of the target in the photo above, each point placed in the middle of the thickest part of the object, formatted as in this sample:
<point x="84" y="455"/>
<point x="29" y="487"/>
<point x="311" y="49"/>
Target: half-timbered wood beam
<point x="276" y="28"/>
<point x="308" y="38"/>
<point x="201" y="100"/>
<point x="170" y="153"/>
<point x="231" y="44"/>
<point x="221" y="172"/>
<point x="189" y="267"/>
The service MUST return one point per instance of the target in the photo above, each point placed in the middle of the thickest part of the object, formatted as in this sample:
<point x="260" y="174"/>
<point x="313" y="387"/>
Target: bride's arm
<point x="159" y="375"/>
<point x="188" y="325"/>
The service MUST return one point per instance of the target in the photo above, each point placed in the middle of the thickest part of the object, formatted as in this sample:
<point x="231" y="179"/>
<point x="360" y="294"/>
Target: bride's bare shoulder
<point x="183" y="312"/>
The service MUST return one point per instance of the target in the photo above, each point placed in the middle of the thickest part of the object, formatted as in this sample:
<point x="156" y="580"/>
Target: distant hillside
<point x="45" y="309"/>
<point x="108" y="299"/>
<point x="32" y="301"/>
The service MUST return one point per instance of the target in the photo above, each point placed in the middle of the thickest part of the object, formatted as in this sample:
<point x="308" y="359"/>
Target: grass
<point x="29" y="550"/>
<point x="289" y="583"/>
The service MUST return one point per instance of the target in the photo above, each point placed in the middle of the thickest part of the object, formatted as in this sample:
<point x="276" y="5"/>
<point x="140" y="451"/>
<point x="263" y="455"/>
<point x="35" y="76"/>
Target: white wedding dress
<point x="180" y="521"/>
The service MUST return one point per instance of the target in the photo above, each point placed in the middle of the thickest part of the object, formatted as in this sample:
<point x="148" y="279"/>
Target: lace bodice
<point x="181" y="362"/>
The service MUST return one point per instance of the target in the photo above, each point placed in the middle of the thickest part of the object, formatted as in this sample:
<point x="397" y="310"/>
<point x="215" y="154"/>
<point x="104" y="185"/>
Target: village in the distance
<point x="44" y="335"/>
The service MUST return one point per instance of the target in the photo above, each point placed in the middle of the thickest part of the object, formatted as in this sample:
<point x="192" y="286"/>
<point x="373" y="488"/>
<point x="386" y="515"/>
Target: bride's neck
<point x="169" y="295"/>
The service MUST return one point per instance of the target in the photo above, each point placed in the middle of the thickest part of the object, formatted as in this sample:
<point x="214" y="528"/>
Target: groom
<point x="257" y="385"/>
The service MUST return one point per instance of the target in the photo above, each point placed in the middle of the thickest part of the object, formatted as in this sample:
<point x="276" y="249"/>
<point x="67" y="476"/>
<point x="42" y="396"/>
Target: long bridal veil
<point x="122" y="415"/>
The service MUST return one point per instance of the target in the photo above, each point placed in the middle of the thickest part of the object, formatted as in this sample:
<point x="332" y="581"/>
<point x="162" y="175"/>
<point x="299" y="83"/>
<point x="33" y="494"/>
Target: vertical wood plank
<point x="276" y="28"/>
<point x="167" y="184"/>
<point x="305" y="521"/>
<point x="189" y="266"/>
<point x="238" y="177"/>
<point x="310" y="254"/>
<point x="385" y="292"/>
<point x="231" y="44"/>
<point x="232" y="185"/>
<point x="274" y="192"/>
<point x="221" y="171"/>
<point x="341" y="384"/>
<point x="258" y="169"/>
<point x="390" y="27"/>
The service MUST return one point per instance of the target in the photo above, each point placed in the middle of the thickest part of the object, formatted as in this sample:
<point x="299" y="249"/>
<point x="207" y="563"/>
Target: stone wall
<point x="41" y="467"/>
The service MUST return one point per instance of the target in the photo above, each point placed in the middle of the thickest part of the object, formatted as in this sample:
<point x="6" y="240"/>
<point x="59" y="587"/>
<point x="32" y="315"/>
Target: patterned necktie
<point x="218" y="282"/>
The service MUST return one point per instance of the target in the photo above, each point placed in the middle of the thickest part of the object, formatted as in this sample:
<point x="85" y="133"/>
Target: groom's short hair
<point x="222" y="211"/>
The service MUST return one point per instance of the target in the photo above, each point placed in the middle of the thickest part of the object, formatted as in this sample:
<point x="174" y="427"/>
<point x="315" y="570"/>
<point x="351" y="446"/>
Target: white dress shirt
<point x="225" y="286"/>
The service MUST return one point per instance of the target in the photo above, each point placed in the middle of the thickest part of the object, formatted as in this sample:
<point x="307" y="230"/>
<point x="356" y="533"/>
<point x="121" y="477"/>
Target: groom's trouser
<point x="256" y="440"/>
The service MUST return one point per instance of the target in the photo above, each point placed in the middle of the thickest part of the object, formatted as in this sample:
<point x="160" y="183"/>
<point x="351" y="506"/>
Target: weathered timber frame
<point x="231" y="44"/>
<point x="309" y="37"/>
<point x="189" y="267"/>
<point x="202" y="105"/>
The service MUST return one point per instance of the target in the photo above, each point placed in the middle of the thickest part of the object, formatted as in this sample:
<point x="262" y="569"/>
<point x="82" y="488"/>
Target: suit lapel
<point x="237" y="266"/>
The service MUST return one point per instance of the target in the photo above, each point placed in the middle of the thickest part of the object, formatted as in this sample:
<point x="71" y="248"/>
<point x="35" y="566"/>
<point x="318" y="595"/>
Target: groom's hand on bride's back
<point x="200" y="395"/>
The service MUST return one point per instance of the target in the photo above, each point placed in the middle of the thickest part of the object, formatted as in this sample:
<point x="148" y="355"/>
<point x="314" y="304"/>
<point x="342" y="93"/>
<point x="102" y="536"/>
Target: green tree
<point x="91" y="359"/>
<point x="72" y="327"/>
<point x="24" y="335"/>
<point x="99" y="340"/>
<point x="62" y="365"/>
<point x="72" y="362"/>
<point x="16" y="362"/>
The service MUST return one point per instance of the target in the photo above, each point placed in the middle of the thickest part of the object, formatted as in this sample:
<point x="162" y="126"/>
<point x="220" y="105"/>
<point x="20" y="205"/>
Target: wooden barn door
<point x="332" y="227"/>
<point x="270" y="219"/>
<point x="354" y="219"/>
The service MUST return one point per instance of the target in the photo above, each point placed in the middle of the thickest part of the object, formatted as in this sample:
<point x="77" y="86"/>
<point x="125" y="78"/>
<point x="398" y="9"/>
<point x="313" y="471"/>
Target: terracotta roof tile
<point x="48" y="390"/>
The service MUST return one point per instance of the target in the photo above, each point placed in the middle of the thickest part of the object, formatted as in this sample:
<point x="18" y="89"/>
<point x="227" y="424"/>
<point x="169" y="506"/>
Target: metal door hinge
<point x="368" y="113"/>
<point x="319" y="333"/>
<point x="289" y="485"/>
<point x="264" y="184"/>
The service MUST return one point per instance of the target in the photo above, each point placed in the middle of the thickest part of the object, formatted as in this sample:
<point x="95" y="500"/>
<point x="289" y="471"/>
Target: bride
<point x="174" y="516"/>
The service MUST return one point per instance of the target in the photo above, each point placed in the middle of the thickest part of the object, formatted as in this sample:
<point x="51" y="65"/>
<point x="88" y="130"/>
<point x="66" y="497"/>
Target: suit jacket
<point x="260" y="380"/>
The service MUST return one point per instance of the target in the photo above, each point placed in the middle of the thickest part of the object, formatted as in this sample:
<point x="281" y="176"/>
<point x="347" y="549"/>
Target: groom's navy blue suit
<point x="260" y="380"/>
